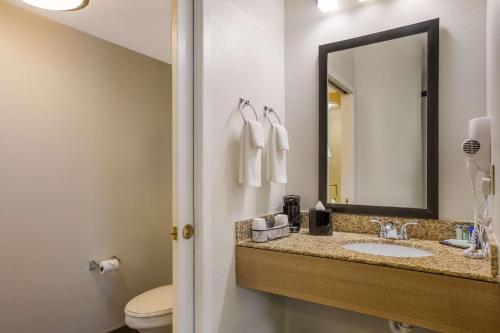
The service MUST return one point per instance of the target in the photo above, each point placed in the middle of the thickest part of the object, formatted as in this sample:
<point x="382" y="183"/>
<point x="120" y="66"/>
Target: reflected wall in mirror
<point x="378" y="122"/>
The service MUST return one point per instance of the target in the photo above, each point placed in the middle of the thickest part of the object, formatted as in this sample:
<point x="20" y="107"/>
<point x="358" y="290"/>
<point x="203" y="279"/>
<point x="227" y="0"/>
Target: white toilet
<point x="151" y="311"/>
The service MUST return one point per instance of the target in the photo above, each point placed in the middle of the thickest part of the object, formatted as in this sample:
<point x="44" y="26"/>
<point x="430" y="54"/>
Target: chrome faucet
<point x="388" y="230"/>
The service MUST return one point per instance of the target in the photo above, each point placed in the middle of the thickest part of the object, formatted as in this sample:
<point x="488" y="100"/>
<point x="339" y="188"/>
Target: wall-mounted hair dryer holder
<point x="477" y="149"/>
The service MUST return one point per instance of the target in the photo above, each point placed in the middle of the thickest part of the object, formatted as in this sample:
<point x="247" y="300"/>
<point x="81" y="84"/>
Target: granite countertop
<point x="445" y="261"/>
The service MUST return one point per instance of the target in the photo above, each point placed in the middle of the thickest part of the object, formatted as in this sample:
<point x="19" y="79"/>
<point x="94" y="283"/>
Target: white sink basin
<point x="388" y="250"/>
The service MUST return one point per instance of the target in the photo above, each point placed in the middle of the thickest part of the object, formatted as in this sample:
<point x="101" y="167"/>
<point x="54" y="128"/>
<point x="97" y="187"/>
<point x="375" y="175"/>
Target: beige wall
<point x="84" y="174"/>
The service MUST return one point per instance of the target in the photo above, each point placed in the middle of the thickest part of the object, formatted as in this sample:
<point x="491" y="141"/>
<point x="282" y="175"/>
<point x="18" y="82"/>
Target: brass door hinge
<point x="174" y="233"/>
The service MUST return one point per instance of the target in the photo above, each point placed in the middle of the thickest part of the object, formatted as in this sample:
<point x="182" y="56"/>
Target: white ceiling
<point x="139" y="25"/>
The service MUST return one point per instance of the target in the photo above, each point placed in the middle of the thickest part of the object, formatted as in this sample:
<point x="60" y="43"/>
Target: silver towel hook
<point x="246" y="102"/>
<point x="267" y="111"/>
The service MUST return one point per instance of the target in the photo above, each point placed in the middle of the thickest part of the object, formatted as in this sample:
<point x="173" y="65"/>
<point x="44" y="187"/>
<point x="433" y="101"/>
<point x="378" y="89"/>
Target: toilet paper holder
<point x="94" y="265"/>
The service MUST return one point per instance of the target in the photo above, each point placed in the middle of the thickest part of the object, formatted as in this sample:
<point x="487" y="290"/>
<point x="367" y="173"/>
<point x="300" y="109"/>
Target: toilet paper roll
<point x="109" y="265"/>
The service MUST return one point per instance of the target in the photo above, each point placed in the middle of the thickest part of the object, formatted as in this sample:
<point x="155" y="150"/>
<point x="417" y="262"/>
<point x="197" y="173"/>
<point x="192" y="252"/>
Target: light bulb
<point x="58" y="4"/>
<point x="327" y="5"/>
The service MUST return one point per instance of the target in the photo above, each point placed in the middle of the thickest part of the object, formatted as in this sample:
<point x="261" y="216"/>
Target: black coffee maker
<point x="291" y="208"/>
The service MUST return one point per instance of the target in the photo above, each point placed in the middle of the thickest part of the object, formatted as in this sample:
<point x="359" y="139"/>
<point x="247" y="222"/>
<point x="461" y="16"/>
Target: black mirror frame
<point x="430" y="27"/>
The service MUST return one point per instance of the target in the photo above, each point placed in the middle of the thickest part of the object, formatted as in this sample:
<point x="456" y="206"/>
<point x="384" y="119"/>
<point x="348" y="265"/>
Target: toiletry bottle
<point x="291" y="207"/>
<point x="458" y="232"/>
<point x="465" y="232"/>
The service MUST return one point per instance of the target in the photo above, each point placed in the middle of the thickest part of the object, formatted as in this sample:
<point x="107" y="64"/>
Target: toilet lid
<point x="155" y="302"/>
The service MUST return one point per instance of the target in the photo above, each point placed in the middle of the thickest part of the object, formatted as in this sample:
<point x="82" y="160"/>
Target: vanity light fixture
<point x="327" y="5"/>
<point x="58" y="5"/>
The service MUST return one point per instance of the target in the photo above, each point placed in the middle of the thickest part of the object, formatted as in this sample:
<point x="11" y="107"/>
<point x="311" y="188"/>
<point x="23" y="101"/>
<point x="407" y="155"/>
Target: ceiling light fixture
<point x="62" y="5"/>
<point x="327" y="5"/>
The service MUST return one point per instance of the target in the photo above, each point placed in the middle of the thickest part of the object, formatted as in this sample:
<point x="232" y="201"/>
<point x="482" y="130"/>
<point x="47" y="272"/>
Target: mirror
<point x="379" y="122"/>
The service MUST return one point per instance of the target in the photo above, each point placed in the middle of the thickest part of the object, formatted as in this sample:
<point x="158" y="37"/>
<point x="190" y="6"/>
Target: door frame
<point x="182" y="166"/>
<point x="202" y="171"/>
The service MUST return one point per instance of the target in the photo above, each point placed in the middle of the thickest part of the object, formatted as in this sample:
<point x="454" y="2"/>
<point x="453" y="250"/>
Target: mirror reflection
<point x="377" y="126"/>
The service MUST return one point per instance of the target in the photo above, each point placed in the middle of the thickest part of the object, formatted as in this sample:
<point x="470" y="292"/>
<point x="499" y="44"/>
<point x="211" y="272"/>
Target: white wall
<point x="128" y="23"/>
<point x="243" y="56"/>
<point x="348" y="132"/>
<point x="388" y="81"/>
<point x="462" y="81"/>
<point x="493" y="96"/>
<point x="389" y="170"/>
<point x="85" y="153"/>
<point x="462" y="97"/>
<point x="341" y="68"/>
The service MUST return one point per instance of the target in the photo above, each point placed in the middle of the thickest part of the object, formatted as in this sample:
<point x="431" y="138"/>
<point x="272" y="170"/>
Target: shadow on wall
<point x="314" y="318"/>
<point x="269" y="309"/>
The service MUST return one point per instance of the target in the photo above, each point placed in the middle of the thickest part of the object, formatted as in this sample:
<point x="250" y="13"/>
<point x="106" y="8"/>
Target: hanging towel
<point x="276" y="157"/>
<point x="250" y="159"/>
<point x="256" y="134"/>
<point x="282" y="137"/>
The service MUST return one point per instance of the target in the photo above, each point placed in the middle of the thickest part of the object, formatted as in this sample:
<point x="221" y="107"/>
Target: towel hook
<point x="267" y="111"/>
<point x="243" y="104"/>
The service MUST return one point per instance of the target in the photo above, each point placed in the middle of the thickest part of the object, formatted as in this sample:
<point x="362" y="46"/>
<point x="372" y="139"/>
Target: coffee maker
<point x="291" y="208"/>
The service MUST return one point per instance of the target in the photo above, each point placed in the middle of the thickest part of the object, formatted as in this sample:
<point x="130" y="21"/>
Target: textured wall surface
<point x="243" y="57"/>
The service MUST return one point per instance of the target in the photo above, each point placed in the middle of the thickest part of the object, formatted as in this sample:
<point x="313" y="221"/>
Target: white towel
<point x="259" y="224"/>
<point x="280" y="220"/>
<point x="250" y="159"/>
<point x="256" y="134"/>
<point x="282" y="137"/>
<point x="276" y="158"/>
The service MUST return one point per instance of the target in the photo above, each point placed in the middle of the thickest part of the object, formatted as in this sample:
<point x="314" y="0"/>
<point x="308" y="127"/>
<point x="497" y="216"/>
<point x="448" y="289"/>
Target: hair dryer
<point x="477" y="149"/>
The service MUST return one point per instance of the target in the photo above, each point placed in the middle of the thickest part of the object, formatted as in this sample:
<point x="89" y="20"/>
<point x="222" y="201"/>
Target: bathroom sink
<point x="388" y="250"/>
